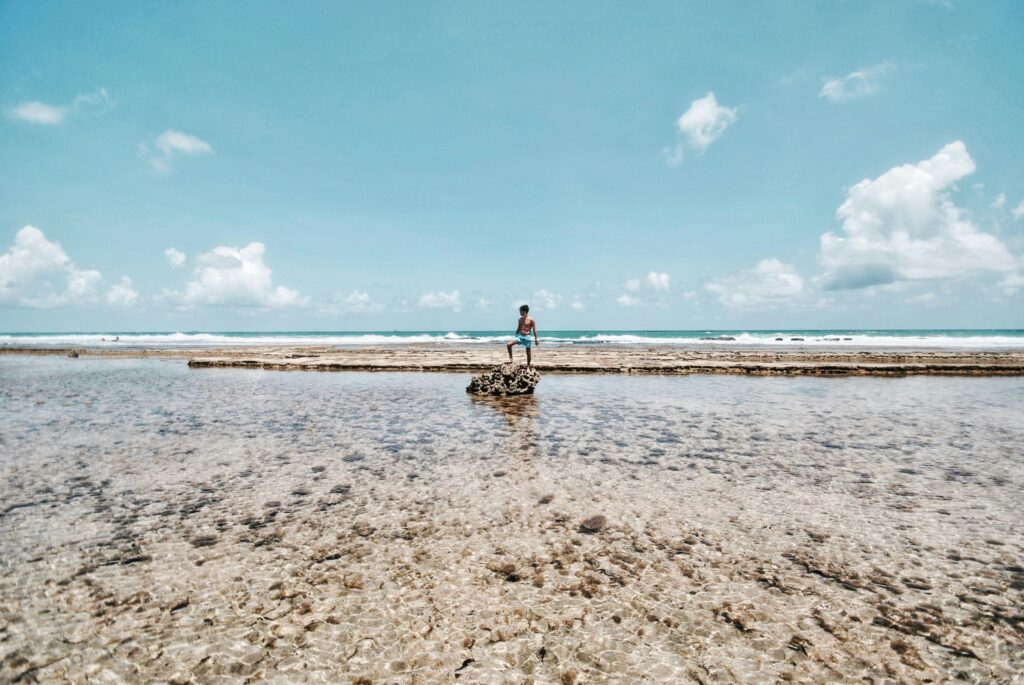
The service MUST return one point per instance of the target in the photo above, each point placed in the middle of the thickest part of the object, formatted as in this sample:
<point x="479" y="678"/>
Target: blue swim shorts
<point x="524" y="340"/>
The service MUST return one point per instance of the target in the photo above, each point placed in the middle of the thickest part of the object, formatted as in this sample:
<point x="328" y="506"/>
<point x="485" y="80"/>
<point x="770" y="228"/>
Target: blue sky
<point x="373" y="166"/>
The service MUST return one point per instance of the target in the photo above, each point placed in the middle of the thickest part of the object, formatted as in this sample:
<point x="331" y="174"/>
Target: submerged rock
<point x="507" y="379"/>
<point x="593" y="524"/>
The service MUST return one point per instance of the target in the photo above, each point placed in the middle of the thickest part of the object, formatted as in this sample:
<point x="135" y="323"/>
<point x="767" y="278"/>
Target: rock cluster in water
<point x="506" y="379"/>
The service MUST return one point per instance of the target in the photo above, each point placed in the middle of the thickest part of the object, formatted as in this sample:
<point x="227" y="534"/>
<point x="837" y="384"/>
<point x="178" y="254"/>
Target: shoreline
<point x="625" y="359"/>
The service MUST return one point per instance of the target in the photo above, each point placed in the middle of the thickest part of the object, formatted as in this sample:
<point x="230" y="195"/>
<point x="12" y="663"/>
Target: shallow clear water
<point x="166" y="523"/>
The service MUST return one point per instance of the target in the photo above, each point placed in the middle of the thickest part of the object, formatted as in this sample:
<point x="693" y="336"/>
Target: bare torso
<point x="525" y="323"/>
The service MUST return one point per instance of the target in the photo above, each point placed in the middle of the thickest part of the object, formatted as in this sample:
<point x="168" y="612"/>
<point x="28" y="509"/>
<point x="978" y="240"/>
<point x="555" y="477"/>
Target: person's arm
<point x="536" y="340"/>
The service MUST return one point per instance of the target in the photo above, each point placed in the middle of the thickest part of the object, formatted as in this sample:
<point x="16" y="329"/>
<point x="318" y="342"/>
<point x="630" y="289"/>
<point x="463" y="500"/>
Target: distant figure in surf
<point x="523" y="330"/>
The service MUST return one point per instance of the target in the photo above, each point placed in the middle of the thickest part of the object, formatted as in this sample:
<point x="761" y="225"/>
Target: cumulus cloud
<point x="770" y="282"/>
<point x="36" y="272"/>
<point x="231" y="276"/>
<point x="169" y="145"/>
<point x="442" y="300"/>
<point x="122" y="294"/>
<point x="855" y="85"/>
<point x="657" y="281"/>
<point x="356" y="301"/>
<point x="35" y="112"/>
<point x="904" y="226"/>
<point x="175" y="258"/>
<point x="699" y="126"/>
<point x="1018" y="211"/>
<point x="578" y="305"/>
<point x="484" y="303"/>
<point x="999" y="202"/>
<point x="655" y="284"/>
<point x="544" y="299"/>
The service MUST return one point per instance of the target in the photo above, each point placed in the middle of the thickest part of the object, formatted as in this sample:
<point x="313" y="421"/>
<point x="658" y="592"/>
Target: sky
<point x="224" y="166"/>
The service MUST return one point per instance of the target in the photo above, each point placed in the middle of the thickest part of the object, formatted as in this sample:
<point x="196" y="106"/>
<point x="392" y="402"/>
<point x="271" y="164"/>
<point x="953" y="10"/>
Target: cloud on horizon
<point x="905" y="226"/>
<point x="768" y="284"/>
<point x="36" y="273"/>
<point x="122" y="294"/>
<point x="442" y="300"/>
<point x="655" y="283"/>
<point x="234" y="277"/>
<point x="356" y="302"/>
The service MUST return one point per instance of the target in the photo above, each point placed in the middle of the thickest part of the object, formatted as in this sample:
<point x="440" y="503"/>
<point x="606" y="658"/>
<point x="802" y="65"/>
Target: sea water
<point x="161" y="523"/>
<point x="883" y="338"/>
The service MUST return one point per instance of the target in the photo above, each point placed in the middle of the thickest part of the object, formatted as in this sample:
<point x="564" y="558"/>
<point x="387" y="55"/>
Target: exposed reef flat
<point x="657" y="360"/>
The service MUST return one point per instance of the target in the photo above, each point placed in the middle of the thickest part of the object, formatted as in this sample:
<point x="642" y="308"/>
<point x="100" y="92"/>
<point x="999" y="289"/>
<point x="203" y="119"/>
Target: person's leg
<point x="509" y="347"/>
<point x="529" y="359"/>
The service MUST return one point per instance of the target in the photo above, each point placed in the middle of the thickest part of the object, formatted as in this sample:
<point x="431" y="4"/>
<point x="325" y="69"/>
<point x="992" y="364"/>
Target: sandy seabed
<point x="165" y="524"/>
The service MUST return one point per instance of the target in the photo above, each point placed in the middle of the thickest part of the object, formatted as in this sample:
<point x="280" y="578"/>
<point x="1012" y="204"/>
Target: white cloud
<point x="657" y="281"/>
<point x="39" y="113"/>
<point x="769" y="283"/>
<point x="1012" y="283"/>
<point x="36" y="272"/>
<point x="578" y="305"/>
<point x="999" y="202"/>
<point x="545" y="299"/>
<point x="904" y="226"/>
<point x="1018" y="211"/>
<point x="169" y="145"/>
<point x="699" y="126"/>
<point x="231" y="276"/>
<point x="170" y="142"/>
<point x="122" y="294"/>
<point x="356" y="301"/>
<point x="442" y="300"/>
<point x="175" y="258"/>
<point x="484" y="303"/>
<point x="36" y="112"/>
<point x="855" y="85"/>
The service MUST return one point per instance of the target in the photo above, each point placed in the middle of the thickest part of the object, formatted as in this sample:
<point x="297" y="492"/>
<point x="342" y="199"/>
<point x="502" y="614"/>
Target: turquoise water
<point x="947" y="338"/>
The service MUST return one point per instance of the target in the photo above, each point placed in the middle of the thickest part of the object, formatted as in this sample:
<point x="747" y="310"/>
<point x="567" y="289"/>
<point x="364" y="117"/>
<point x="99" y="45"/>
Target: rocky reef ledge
<point x="506" y="379"/>
<point x="630" y="359"/>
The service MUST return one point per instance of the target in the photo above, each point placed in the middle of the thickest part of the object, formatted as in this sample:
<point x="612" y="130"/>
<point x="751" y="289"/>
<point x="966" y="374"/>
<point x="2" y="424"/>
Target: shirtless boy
<point x="523" y="330"/>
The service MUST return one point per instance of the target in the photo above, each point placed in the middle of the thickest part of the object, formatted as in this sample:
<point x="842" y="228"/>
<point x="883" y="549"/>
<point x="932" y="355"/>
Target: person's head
<point x="524" y="310"/>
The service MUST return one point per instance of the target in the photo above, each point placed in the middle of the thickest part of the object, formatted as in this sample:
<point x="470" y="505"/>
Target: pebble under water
<point x="165" y="524"/>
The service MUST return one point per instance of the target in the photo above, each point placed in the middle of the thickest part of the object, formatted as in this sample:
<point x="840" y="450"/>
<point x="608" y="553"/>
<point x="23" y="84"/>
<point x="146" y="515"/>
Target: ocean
<point x="881" y="338"/>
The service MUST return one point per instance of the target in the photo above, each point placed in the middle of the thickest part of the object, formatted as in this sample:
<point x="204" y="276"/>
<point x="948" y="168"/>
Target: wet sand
<point x="581" y="359"/>
<point x="165" y="524"/>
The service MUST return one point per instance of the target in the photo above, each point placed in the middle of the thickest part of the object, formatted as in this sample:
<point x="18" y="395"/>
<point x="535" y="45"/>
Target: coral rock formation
<point x="507" y="379"/>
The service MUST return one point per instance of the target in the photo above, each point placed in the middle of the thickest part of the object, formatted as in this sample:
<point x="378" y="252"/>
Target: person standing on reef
<point x="523" y="330"/>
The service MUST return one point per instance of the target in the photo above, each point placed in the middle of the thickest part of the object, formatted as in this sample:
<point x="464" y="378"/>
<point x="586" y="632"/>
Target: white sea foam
<point x="818" y="340"/>
<point x="881" y="339"/>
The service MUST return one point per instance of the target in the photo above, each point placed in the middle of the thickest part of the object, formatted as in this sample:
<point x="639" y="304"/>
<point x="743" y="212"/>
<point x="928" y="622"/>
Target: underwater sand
<point x="165" y="524"/>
